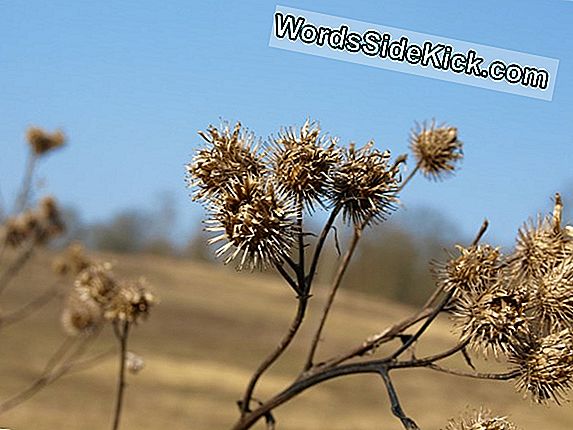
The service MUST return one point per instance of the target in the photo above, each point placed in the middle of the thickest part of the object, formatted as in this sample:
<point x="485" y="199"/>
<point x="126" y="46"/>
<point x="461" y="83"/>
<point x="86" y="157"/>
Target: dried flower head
<point x="81" y="315"/>
<point x="302" y="162"/>
<point x="229" y="156"/>
<point x="49" y="219"/>
<point x="364" y="185"/>
<point x="545" y="365"/>
<point x="42" y="142"/>
<point x="472" y="271"/>
<point x="436" y="149"/>
<point x="131" y="302"/>
<point x="73" y="261"/>
<point x="255" y="222"/>
<point x="481" y="419"/>
<point x="551" y="297"/>
<point x="98" y="283"/>
<point x="134" y="363"/>
<point x="491" y="320"/>
<point x="540" y="247"/>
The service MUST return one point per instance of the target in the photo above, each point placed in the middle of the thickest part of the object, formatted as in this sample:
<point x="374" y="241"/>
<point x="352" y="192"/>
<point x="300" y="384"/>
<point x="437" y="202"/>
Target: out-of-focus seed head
<point x="131" y="302"/>
<point x="551" y="297"/>
<point x="230" y="156"/>
<point x="364" y="185"/>
<point x="481" y="419"/>
<point x="134" y="363"/>
<point x="50" y="219"/>
<point x="302" y="162"/>
<point x="491" y="320"/>
<point x="545" y="365"/>
<point x="41" y="141"/>
<point x="472" y="270"/>
<point x="81" y="314"/>
<point x="73" y="261"/>
<point x="436" y="149"/>
<point x="255" y="222"/>
<point x="98" y="283"/>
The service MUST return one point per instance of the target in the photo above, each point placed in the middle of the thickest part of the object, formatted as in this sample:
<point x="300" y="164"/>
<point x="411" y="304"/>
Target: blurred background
<point x="130" y="83"/>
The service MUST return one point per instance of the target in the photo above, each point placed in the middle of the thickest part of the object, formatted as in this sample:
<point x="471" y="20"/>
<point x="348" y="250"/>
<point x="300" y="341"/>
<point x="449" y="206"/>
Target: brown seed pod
<point x="481" y="419"/>
<point x="42" y="142"/>
<point x="436" y="149"/>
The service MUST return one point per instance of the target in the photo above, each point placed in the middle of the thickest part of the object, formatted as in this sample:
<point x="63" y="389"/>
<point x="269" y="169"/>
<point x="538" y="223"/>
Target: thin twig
<point x="408" y="178"/>
<point x="14" y="268"/>
<point x="333" y="290"/>
<point x="281" y="347"/>
<point x="397" y="410"/>
<point x="288" y="278"/>
<point x="30" y="307"/>
<point x="320" y="244"/>
<point x="476" y="375"/>
<point x="123" y="333"/>
<point x="25" y="188"/>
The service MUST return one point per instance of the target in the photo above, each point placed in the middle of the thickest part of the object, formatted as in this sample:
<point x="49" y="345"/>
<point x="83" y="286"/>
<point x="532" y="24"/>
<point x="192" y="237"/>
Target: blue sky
<point x="132" y="82"/>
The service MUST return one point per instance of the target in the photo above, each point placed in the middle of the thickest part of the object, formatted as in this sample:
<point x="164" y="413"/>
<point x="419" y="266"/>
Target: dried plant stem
<point x="320" y="243"/>
<point x="397" y="410"/>
<point x="409" y="177"/>
<point x="281" y="347"/>
<point x="63" y="361"/>
<point x="476" y="375"/>
<point x="26" y="187"/>
<point x="26" y="310"/>
<point x="334" y="288"/>
<point x="14" y="268"/>
<point x="122" y="332"/>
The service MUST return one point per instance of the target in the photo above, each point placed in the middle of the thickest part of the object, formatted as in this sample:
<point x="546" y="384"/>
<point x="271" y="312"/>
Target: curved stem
<point x="334" y="288"/>
<point x="320" y="243"/>
<point x="25" y="188"/>
<point x="281" y="347"/>
<point x="476" y="375"/>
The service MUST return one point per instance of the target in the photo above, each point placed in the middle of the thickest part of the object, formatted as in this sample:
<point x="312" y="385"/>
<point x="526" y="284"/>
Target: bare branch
<point x="397" y="410"/>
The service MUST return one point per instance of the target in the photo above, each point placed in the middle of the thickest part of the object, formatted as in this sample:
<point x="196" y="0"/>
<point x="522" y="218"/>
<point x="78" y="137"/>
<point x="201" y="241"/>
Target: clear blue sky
<point x="131" y="82"/>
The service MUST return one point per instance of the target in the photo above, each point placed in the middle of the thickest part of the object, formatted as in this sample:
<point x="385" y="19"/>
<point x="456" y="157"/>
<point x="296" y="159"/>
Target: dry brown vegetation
<point x="200" y="347"/>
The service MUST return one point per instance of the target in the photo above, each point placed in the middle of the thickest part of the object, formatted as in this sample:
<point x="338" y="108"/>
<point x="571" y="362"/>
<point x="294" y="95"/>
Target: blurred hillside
<point x="203" y="341"/>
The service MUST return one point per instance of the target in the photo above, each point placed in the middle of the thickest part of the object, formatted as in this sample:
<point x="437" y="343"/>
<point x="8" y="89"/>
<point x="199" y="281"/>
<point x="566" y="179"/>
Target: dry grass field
<point x="204" y="339"/>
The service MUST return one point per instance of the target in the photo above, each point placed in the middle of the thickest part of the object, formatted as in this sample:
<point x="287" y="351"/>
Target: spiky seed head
<point x="470" y="270"/>
<point x="539" y="248"/>
<point x="551" y="297"/>
<point x="131" y="302"/>
<point x="41" y="141"/>
<point x="255" y="223"/>
<point x="545" y="366"/>
<point x="364" y="185"/>
<point x="481" y="419"/>
<point x="81" y="314"/>
<point x="490" y="320"/>
<point x="73" y="261"/>
<point x="230" y="156"/>
<point x="50" y="220"/>
<point x="436" y="149"/>
<point x="98" y="283"/>
<point x="302" y="161"/>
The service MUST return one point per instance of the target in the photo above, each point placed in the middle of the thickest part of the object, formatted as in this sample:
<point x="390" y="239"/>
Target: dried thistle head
<point x="81" y="315"/>
<point x="73" y="261"/>
<point x="436" y="149"/>
<point x="15" y="230"/>
<point x="302" y="162"/>
<point x="41" y="141"/>
<point x="364" y="185"/>
<point x="490" y="320"/>
<point x="98" y="283"/>
<point x="131" y="302"/>
<point x="539" y="248"/>
<point x="230" y="156"/>
<point x="481" y="419"/>
<point x="551" y="297"/>
<point x="545" y="366"/>
<point x="471" y="271"/>
<point x="49" y="219"/>
<point x="255" y="222"/>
